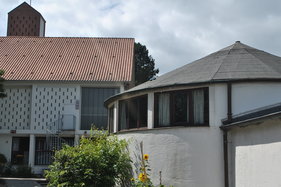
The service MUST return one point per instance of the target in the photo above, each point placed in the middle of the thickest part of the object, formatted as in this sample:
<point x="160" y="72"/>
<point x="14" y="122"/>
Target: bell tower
<point x="25" y="21"/>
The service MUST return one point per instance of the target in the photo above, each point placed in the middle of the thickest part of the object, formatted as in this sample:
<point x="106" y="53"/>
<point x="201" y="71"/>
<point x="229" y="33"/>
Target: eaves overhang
<point x="135" y="91"/>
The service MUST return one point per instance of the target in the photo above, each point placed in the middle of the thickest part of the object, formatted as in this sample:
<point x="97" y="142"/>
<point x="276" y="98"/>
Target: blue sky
<point x="176" y="32"/>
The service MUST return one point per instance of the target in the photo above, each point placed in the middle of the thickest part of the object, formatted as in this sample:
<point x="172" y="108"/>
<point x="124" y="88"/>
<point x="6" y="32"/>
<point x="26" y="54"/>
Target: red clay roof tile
<point x="67" y="59"/>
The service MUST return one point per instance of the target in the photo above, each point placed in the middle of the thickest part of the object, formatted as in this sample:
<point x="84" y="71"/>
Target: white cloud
<point x="175" y="32"/>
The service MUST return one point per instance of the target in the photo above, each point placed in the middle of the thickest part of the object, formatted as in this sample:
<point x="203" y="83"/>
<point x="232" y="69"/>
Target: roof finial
<point x="237" y="42"/>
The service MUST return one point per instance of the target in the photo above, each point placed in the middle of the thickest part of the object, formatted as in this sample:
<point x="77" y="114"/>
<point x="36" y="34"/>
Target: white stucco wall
<point x="38" y="104"/>
<point x="255" y="155"/>
<point x="249" y="96"/>
<point x="217" y="103"/>
<point x="187" y="156"/>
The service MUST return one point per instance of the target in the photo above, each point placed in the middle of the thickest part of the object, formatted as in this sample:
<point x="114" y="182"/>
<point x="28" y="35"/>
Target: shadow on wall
<point x="182" y="154"/>
<point x="265" y="132"/>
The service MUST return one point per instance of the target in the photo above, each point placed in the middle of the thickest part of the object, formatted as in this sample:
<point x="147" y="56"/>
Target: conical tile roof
<point x="235" y="62"/>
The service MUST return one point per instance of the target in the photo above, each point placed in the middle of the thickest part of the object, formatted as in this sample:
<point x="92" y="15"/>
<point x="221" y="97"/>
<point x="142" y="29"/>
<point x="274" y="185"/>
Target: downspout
<point x="225" y="156"/>
<point x="229" y="101"/>
<point x="225" y="138"/>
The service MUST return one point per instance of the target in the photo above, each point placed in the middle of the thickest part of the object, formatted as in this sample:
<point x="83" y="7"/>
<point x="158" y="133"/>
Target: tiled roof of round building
<point x="235" y="62"/>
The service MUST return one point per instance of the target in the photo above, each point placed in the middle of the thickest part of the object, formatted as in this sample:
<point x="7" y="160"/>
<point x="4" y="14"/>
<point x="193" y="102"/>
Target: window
<point x="110" y="119"/>
<point x="133" y="113"/>
<point x="20" y="150"/>
<point x="43" y="155"/>
<point x="44" y="152"/>
<point x="182" y="108"/>
<point x="93" y="111"/>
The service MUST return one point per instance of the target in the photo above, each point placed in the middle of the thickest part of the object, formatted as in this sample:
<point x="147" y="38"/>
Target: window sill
<point x="184" y="125"/>
<point x="158" y="128"/>
<point x="132" y="130"/>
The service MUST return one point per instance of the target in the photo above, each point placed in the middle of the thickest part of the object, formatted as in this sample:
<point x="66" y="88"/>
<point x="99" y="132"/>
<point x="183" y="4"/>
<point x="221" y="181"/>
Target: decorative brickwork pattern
<point x="49" y="104"/>
<point x="15" y="109"/>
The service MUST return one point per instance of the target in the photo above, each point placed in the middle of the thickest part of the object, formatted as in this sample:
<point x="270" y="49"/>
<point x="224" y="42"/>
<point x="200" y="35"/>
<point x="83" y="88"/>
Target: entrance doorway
<point x="20" y="150"/>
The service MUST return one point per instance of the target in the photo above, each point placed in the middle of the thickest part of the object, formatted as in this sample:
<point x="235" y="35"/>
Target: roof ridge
<point x="262" y="61"/>
<point x="231" y="48"/>
<point x="29" y="6"/>
<point x="68" y="37"/>
<point x="218" y="68"/>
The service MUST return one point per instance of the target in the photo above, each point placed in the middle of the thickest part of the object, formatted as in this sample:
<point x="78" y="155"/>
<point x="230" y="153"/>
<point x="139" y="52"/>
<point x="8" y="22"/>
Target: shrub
<point x="8" y="170"/>
<point x="101" y="160"/>
<point x="24" y="171"/>
<point x="3" y="159"/>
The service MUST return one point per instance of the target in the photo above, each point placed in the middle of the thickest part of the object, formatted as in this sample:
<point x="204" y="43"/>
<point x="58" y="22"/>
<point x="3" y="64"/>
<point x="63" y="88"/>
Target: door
<point x="68" y="117"/>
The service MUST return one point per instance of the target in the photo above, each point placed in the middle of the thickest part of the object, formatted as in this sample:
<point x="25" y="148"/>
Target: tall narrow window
<point x="123" y="115"/>
<point x="198" y="106"/>
<point x="180" y="107"/>
<point x="93" y="112"/>
<point x="164" y="109"/>
<point x="20" y="150"/>
<point x="111" y="119"/>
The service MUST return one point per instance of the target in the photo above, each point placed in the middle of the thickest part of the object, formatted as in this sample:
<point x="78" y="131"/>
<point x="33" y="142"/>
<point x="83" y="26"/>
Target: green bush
<point x="23" y="171"/>
<point x="3" y="159"/>
<point x="8" y="170"/>
<point x="101" y="160"/>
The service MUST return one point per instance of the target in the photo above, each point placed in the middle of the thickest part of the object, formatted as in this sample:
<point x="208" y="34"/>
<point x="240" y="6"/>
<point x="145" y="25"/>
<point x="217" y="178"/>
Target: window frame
<point x="139" y="118"/>
<point x="111" y="119"/>
<point x="18" y="156"/>
<point x="43" y="155"/>
<point x="95" y="114"/>
<point x="189" y="93"/>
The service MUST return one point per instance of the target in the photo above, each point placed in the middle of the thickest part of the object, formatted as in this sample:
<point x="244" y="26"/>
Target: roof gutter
<point x="248" y="122"/>
<point x="129" y="93"/>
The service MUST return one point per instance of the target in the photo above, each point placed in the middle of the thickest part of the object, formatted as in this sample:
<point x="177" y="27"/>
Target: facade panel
<point x="15" y="109"/>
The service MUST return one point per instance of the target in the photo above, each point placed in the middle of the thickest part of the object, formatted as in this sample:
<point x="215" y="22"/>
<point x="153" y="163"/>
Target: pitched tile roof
<point x="67" y="59"/>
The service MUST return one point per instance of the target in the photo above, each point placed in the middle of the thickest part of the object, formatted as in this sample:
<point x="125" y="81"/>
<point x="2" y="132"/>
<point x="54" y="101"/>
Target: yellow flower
<point x="132" y="179"/>
<point x="142" y="177"/>
<point x="145" y="156"/>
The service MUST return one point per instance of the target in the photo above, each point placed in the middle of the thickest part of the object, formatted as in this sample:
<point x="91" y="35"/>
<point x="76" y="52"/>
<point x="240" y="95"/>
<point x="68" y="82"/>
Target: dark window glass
<point x="111" y="119"/>
<point x="180" y="107"/>
<point x="20" y="150"/>
<point x="133" y="113"/>
<point x="183" y="107"/>
<point x="93" y="112"/>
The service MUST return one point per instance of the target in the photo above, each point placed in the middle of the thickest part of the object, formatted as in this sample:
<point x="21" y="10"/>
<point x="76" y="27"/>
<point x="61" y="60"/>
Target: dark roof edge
<point x="244" y="119"/>
<point x="129" y="93"/>
<point x="67" y="37"/>
<point x="64" y="81"/>
<point x="30" y="7"/>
